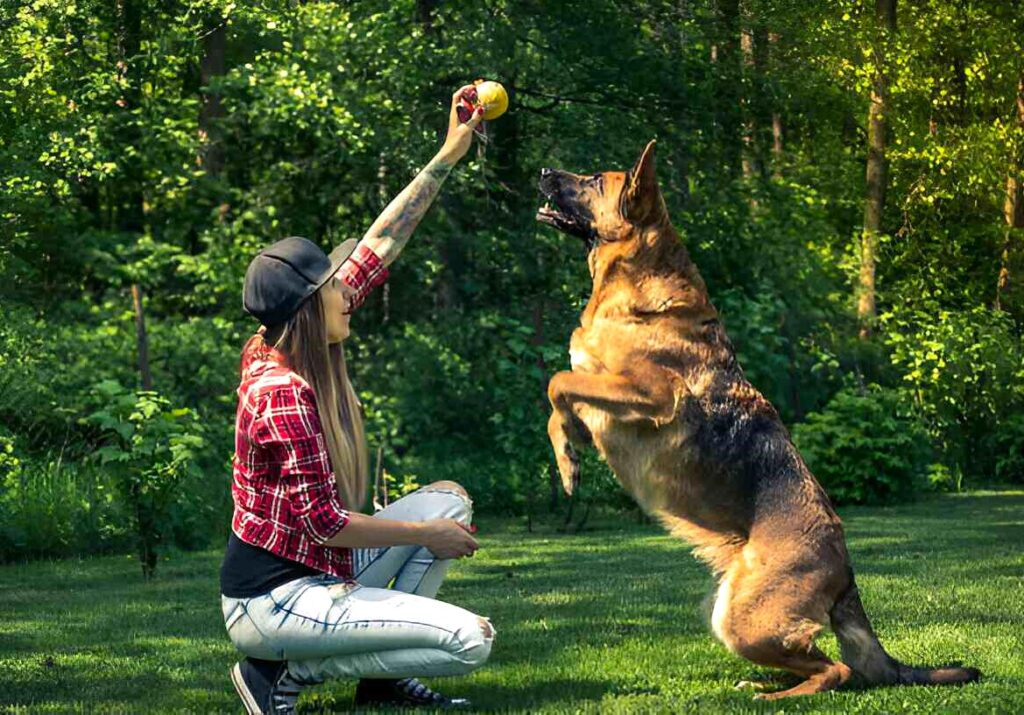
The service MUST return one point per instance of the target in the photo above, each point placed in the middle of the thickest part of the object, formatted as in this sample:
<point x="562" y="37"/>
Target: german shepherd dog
<point x="655" y="387"/>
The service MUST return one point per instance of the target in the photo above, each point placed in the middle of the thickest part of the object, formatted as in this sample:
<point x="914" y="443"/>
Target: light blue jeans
<point x="327" y="628"/>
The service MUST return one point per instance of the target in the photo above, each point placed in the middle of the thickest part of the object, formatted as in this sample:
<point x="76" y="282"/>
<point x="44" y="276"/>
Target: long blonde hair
<point x="303" y="340"/>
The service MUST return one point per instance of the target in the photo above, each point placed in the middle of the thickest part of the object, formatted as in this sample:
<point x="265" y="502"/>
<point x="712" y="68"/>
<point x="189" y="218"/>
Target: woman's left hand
<point x="460" y="135"/>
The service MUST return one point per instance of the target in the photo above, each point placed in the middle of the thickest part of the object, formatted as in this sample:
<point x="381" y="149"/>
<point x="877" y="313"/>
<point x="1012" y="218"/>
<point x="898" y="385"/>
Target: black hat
<point x="281" y="277"/>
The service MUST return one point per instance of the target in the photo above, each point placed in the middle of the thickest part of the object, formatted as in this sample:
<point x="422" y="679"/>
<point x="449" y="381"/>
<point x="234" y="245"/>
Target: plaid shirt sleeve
<point x="288" y="424"/>
<point x="362" y="271"/>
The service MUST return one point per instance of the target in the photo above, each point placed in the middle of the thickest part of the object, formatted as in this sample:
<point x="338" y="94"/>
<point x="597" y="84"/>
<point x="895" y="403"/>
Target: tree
<point x="1008" y="291"/>
<point x="131" y="211"/>
<point x="877" y="176"/>
<point x="214" y="41"/>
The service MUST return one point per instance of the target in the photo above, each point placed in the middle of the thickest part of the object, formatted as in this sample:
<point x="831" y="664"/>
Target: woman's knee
<point x="475" y="640"/>
<point x="460" y="506"/>
<point x="446" y="485"/>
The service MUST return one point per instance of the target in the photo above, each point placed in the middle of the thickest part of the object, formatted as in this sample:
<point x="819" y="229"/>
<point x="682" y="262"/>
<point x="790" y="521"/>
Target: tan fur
<point x="655" y="388"/>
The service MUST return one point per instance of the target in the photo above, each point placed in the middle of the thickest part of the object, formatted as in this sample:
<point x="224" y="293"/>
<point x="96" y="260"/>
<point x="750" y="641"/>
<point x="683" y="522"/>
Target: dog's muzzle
<point x="560" y="209"/>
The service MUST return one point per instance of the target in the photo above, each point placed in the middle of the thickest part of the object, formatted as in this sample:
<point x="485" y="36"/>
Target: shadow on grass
<point x="604" y="616"/>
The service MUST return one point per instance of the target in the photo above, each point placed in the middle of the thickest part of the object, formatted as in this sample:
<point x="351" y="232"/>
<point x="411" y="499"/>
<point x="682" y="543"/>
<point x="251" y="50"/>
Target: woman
<point x="305" y="575"/>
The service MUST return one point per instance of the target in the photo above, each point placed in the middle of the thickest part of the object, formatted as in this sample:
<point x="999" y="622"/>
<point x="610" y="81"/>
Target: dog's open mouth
<point x="565" y="221"/>
<point x="553" y="216"/>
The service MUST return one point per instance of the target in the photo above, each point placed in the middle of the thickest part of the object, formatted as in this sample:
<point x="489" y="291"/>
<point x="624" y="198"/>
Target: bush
<point x="55" y="508"/>
<point x="1007" y="445"/>
<point x="965" y="373"/>
<point x="865" y="447"/>
<point x="150" y="452"/>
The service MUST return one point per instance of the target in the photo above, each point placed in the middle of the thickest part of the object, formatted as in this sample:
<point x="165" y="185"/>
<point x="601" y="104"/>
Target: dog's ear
<point x="641" y="198"/>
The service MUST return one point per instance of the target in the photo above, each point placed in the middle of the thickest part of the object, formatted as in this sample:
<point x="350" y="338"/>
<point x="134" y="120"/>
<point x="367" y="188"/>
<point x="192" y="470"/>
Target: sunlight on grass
<point x="608" y="620"/>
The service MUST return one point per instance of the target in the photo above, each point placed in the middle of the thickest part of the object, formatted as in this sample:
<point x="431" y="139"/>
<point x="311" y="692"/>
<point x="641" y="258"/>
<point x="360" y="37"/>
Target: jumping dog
<point x="656" y="389"/>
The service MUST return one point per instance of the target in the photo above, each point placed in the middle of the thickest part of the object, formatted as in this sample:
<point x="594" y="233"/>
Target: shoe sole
<point x="251" y="706"/>
<point x="451" y="704"/>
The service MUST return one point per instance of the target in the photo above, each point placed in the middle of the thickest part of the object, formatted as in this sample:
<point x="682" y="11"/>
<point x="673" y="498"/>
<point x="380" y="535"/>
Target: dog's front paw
<point x="569" y="468"/>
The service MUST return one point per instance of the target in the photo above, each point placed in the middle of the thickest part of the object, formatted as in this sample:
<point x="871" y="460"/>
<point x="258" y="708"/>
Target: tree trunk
<point x="1008" y="289"/>
<point x="749" y="160"/>
<point x="131" y="210"/>
<point x="877" y="168"/>
<point x="777" y="137"/>
<point x="726" y="56"/>
<point x="425" y="15"/>
<point x="777" y="129"/>
<point x="211" y="156"/>
<point x="449" y="250"/>
<point x="141" y="341"/>
<point x="753" y="47"/>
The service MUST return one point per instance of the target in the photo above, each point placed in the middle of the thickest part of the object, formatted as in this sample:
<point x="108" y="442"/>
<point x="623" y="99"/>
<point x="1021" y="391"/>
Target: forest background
<point x="847" y="176"/>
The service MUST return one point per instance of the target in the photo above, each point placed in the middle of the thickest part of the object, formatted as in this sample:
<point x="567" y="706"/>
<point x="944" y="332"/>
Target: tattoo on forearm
<point x="392" y="229"/>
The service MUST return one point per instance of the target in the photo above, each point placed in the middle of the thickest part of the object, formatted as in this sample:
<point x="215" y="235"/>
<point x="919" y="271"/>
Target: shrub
<point x="865" y="447"/>
<point x="965" y="372"/>
<point x="1006" y="443"/>
<point x="150" y="452"/>
<point x="55" y="508"/>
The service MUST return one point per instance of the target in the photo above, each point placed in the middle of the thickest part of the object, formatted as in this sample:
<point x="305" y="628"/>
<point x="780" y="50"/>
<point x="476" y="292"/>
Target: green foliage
<point x="965" y="372"/>
<point x="327" y="110"/>
<point x="150" y="449"/>
<point x="54" y="507"/>
<point x="1007" y="444"/>
<point x="865" y="447"/>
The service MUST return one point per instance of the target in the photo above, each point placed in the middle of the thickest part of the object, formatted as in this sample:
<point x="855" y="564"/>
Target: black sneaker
<point x="265" y="686"/>
<point x="407" y="692"/>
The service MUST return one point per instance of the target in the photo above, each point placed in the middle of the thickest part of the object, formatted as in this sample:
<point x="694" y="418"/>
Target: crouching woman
<point x="305" y="577"/>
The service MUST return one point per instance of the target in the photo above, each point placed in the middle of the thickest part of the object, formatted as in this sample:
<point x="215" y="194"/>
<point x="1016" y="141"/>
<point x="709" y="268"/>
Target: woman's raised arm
<point x="392" y="229"/>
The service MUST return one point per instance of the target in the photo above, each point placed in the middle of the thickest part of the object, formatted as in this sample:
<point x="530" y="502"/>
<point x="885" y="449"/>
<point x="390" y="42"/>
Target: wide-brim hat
<point x="285" y="274"/>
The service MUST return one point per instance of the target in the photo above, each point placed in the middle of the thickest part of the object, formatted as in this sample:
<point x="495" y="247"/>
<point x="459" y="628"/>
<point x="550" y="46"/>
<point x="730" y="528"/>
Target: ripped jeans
<point x="327" y="628"/>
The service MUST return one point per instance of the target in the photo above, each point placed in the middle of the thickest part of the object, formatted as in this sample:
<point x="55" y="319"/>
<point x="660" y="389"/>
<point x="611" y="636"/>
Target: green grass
<point x="606" y="620"/>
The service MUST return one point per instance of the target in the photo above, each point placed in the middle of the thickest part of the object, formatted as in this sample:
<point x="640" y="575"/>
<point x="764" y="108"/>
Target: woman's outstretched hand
<point x="460" y="135"/>
<point x="447" y="538"/>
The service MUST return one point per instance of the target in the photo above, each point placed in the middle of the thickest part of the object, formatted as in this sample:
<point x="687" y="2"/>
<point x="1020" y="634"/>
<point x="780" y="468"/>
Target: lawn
<point x="606" y="620"/>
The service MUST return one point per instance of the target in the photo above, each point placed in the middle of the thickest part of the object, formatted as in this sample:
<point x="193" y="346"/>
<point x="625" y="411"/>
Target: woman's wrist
<point x="418" y="533"/>
<point x="447" y="156"/>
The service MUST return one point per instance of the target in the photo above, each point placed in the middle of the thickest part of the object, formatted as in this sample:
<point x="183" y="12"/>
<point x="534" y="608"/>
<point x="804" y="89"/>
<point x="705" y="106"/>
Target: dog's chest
<point x="589" y="348"/>
<point x="631" y="449"/>
<point x="582" y="361"/>
<point x="582" y="357"/>
<point x="614" y="440"/>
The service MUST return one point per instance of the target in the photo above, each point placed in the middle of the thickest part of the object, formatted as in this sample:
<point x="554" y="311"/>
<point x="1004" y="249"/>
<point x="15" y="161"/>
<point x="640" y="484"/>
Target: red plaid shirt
<point x="286" y="499"/>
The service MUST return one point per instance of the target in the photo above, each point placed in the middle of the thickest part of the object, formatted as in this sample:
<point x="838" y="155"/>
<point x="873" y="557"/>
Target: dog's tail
<point x="864" y="654"/>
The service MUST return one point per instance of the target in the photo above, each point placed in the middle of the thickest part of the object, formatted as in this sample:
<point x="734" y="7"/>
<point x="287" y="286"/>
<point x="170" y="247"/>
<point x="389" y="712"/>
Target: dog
<point x="655" y="387"/>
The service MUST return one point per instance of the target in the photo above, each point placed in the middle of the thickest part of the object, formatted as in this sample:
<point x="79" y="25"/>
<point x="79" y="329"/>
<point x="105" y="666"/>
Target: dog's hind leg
<point x="758" y="618"/>
<point x="792" y="650"/>
<point x="832" y="677"/>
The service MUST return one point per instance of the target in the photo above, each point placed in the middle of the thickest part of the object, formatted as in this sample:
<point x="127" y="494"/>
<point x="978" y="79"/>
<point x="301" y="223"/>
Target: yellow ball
<point x="493" y="98"/>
